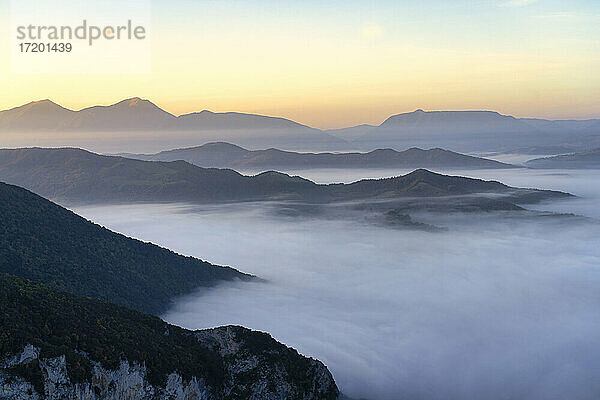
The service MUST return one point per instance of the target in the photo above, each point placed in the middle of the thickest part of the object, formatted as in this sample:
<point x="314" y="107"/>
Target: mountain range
<point x="78" y="176"/>
<point x="129" y="114"/>
<point x="226" y="155"/>
<point x="456" y="130"/>
<point x="139" y="115"/>
<point x="473" y="131"/>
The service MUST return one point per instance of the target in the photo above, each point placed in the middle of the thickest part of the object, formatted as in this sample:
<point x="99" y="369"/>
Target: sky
<point x="330" y="64"/>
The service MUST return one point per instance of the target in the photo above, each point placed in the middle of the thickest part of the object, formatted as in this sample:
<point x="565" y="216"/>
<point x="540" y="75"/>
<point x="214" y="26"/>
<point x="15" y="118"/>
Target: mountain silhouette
<point x="76" y="175"/>
<point x="226" y="155"/>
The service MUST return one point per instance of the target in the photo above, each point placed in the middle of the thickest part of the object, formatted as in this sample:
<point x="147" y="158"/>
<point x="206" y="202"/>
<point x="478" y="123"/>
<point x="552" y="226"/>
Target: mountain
<point x="466" y="130"/>
<point x="60" y="346"/>
<point x="46" y="243"/>
<point x="472" y="131"/>
<point x="35" y="116"/>
<point x="225" y="155"/>
<point x="141" y="117"/>
<point x="584" y="160"/>
<point x="231" y="120"/>
<point x="424" y="183"/>
<point x="75" y="175"/>
<point x="131" y="114"/>
<point x="447" y="122"/>
<point x="209" y="155"/>
<point x="463" y="131"/>
<point x="127" y="115"/>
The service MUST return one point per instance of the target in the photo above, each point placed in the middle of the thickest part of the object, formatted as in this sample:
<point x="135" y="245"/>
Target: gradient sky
<point x="332" y="64"/>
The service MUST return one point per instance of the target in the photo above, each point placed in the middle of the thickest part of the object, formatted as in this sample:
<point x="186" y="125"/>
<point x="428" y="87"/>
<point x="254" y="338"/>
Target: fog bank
<point x="497" y="307"/>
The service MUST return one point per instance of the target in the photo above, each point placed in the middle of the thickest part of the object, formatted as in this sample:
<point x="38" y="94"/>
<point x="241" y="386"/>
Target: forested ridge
<point x="44" y="242"/>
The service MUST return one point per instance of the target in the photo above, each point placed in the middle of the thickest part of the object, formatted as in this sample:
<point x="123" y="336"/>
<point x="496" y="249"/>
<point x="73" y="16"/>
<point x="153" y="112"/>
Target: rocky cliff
<point x="54" y="345"/>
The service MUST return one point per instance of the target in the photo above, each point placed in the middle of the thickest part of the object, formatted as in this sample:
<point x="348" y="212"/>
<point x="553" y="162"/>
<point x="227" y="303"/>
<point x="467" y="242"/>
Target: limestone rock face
<point x="250" y="374"/>
<point x="267" y="374"/>
<point x="128" y="382"/>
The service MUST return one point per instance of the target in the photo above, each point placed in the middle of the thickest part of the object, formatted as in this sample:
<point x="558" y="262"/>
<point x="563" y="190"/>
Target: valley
<point x="390" y="310"/>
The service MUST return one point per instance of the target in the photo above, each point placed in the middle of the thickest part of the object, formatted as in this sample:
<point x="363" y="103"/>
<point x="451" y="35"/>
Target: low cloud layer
<point x="497" y="307"/>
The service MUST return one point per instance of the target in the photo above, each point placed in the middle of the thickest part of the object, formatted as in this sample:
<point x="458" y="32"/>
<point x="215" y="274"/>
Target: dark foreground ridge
<point x="74" y="175"/>
<point x="57" y="345"/>
<point x="46" y="243"/>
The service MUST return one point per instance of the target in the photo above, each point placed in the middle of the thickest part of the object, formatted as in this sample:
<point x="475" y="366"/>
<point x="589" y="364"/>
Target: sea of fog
<point x="497" y="307"/>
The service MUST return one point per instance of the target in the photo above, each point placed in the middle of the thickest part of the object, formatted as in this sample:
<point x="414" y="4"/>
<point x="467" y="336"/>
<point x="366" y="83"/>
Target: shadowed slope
<point x="46" y="243"/>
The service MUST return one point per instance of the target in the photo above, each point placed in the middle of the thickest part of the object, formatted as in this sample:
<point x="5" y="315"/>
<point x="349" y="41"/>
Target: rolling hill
<point x="35" y="116"/>
<point x="225" y="155"/>
<point x="74" y="175"/>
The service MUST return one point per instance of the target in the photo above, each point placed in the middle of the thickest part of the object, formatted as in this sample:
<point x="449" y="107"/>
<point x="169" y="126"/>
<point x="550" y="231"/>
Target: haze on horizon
<point x="332" y="67"/>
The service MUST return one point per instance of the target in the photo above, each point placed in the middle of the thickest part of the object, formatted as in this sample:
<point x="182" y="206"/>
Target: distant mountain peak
<point x="224" y="145"/>
<point x="210" y="146"/>
<point x="420" y="111"/>
<point x="135" y="102"/>
<point x="46" y="103"/>
<point x="453" y="122"/>
<point x="422" y="173"/>
<point x="33" y="109"/>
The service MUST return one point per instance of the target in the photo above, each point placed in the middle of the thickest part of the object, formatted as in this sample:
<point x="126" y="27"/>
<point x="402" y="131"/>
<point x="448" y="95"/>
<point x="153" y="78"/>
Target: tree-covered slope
<point x="44" y="242"/>
<point x="95" y="337"/>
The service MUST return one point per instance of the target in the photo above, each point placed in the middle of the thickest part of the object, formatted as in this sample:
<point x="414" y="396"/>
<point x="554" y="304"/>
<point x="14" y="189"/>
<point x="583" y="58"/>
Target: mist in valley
<point x="585" y="184"/>
<point x="499" y="306"/>
<point x="116" y="141"/>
